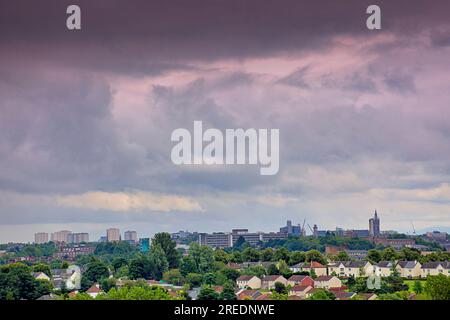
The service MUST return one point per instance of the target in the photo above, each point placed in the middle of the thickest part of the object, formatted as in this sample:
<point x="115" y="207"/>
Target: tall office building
<point x="374" y="225"/>
<point x="144" y="245"/>
<point x="78" y="237"/>
<point x="112" y="234"/>
<point x="130" y="236"/>
<point x="60" y="236"/>
<point x="41" y="237"/>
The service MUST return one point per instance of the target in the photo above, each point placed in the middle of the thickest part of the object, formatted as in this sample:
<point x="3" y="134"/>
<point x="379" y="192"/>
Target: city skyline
<point x="87" y="115"/>
<point x="135" y="235"/>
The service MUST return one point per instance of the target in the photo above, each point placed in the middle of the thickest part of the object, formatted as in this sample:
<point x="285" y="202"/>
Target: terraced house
<point x="350" y="268"/>
<point x="409" y="269"/>
<point x="435" y="268"/>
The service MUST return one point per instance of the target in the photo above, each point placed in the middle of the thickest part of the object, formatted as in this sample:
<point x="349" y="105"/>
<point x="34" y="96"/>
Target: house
<point x="384" y="268"/>
<point x="248" y="294"/>
<point x="299" y="290"/>
<point x="350" y="268"/>
<point x="268" y="282"/>
<point x="327" y="282"/>
<point x="264" y="296"/>
<point x="409" y="269"/>
<point x="436" y="267"/>
<point x="319" y="269"/>
<point x="368" y="296"/>
<point x="342" y="295"/>
<point x="94" y="291"/>
<point x="41" y="276"/>
<point x="252" y="282"/>
<point x="300" y="279"/>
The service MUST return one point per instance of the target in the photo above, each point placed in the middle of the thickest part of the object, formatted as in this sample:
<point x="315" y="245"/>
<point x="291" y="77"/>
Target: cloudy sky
<point x="86" y="116"/>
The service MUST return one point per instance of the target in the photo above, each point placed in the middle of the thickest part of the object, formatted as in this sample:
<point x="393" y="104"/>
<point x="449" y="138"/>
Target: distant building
<point x="72" y="252"/>
<point x="226" y="240"/>
<point x="130" y="236"/>
<point x="334" y="250"/>
<point x="395" y="243"/>
<point x="112" y="235"/>
<point x="374" y="225"/>
<point x="75" y="238"/>
<point x="41" y="237"/>
<point x="60" y="236"/>
<point x="437" y="235"/>
<point x="102" y="239"/>
<point x="357" y="254"/>
<point x="216" y="239"/>
<point x="356" y="233"/>
<point x="289" y="229"/>
<point x="315" y="231"/>
<point x="144" y="245"/>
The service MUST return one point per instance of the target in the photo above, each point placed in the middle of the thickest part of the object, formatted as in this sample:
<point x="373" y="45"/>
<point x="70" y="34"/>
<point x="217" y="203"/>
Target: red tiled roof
<point x="244" y="278"/>
<point x="94" y="289"/>
<point x="315" y="264"/>
<point x="297" y="277"/>
<point x="324" y="278"/>
<point x="271" y="277"/>
<point x="299" y="288"/>
<point x="265" y="296"/>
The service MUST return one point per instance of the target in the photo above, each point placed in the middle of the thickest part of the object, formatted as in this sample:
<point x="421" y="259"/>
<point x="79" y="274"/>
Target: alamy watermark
<point x="234" y="147"/>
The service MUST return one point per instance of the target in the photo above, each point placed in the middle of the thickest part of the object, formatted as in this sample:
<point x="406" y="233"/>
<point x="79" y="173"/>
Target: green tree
<point x="16" y="282"/>
<point x="42" y="267"/>
<point x="342" y="256"/>
<point x="272" y="269"/>
<point x="314" y="255"/>
<point x="202" y="257"/>
<point x="417" y="287"/>
<point x="158" y="261"/>
<point x="267" y="254"/>
<point x="322" y="294"/>
<point x="119" y="262"/>
<point x="230" y="274"/>
<point x="187" y="265"/>
<point x="228" y="292"/>
<point x="194" y="279"/>
<point x="438" y="287"/>
<point x="280" y="288"/>
<point x="251" y="254"/>
<point x="296" y="257"/>
<point x="95" y="271"/>
<point x="173" y="276"/>
<point x="107" y="284"/>
<point x="141" y="268"/>
<point x="374" y="256"/>
<point x="240" y="242"/>
<point x="281" y="254"/>
<point x="389" y="254"/>
<point x="207" y="293"/>
<point x="165" y="242"/>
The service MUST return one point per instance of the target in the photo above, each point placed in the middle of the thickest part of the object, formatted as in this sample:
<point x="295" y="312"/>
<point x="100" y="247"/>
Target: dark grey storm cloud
<point x="145" y="37"/>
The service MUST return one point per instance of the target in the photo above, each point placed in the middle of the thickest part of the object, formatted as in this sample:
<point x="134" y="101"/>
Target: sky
<point x="86" y="116"/>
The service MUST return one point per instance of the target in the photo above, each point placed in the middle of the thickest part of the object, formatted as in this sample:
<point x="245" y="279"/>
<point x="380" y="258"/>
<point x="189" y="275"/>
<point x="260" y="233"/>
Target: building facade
<point x="61" y="236"/>
<point x="130" y="236"/>
<point x="112" y="235"/>
<point x="77" y="237"/>
<point x="41" y="237"/>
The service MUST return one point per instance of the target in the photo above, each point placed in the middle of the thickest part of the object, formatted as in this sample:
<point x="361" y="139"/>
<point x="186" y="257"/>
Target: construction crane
<point x="303" y="228"/>
<point x="414" y="229"/>
<point x="312" y="231"/>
